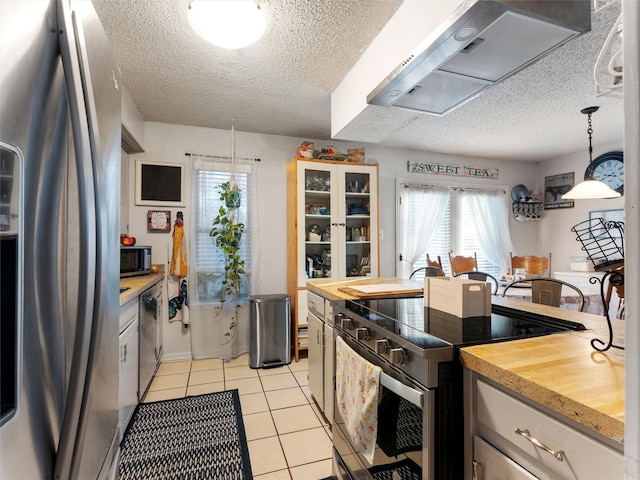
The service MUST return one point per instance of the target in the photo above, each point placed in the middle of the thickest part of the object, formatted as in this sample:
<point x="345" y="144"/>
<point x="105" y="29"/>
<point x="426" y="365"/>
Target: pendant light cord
<point x="590" y="131"/>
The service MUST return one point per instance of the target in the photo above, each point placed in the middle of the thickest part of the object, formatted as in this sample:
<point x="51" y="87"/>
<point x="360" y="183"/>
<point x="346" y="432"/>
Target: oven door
<point x="406" y="437"/>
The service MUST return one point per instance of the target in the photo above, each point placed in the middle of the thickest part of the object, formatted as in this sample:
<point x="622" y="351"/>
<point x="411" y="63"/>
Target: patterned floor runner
<point x="199" y="437"/>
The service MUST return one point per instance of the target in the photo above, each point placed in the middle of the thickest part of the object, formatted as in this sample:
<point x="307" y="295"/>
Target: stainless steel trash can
<point x="270" y="331"/>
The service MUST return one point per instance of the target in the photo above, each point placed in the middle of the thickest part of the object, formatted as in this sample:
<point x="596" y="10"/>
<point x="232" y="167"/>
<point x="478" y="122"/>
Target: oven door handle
<point x="410" y="394"/>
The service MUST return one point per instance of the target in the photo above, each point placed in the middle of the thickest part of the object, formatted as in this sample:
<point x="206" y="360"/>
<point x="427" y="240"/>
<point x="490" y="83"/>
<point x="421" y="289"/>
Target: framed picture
<point x="615" y="215"/>
<point x="554" y="187"/>
<point x="159" y="183"/>
<point x="159" y="221"/>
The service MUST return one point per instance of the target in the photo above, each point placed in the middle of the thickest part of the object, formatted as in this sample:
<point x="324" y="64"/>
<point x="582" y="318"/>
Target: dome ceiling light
<point x="228" y="24"/>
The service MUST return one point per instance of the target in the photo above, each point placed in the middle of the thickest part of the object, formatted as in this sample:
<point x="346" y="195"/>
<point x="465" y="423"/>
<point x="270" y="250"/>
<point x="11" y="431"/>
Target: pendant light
<point x="590" y="188"/>
<point x="228" y="24"/>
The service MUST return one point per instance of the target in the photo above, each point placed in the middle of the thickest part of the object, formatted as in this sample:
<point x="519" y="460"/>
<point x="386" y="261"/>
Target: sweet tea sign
<point x="455" y="170"/>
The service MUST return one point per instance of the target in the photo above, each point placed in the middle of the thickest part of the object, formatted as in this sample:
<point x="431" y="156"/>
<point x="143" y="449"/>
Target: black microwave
<point x="135" y="261"/>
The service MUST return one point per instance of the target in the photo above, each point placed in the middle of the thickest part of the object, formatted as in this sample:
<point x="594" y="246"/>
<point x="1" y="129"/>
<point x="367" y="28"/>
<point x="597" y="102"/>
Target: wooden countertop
<point x="137" y="285"/>
<point x="560" y="371"/>
<point x="328" y="289"/>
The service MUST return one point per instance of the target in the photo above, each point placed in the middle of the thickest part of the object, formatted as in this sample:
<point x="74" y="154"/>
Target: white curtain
<point x="492" y="230"/>
<point x="209" y="323"/>
<point x="418" y="225"/>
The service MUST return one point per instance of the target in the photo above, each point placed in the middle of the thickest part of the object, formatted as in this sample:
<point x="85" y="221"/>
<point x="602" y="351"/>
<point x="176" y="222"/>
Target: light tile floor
<point x="288" y="437"/>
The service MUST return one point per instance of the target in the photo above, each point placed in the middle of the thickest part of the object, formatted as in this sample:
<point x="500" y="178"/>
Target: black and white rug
<point x="199" y="437"/>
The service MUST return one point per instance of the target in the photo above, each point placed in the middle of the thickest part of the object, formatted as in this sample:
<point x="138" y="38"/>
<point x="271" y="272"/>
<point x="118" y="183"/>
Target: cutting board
<point x="382" y="290"/>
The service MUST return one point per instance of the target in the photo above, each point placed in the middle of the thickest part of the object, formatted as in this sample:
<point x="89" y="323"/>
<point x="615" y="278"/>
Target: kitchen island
<point x="562" y="371"/>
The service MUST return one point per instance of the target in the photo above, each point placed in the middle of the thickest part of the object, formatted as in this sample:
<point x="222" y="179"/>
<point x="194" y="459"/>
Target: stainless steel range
<point x="420" y="415"/>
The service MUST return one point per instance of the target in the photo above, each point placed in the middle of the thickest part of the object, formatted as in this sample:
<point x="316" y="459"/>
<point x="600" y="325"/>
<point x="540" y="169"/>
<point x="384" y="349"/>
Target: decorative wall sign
<point x="455" y="170"/>
<point x="554" y="187"/>
<point x="159" y="221"/>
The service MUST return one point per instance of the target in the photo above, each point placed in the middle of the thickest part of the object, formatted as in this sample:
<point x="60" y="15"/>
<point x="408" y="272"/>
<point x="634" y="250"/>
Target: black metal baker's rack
<point x="603" y="242"/>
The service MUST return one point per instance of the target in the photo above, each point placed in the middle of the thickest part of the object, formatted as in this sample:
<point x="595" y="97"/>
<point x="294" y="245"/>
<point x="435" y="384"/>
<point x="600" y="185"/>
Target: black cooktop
<point x="428" y="328"/>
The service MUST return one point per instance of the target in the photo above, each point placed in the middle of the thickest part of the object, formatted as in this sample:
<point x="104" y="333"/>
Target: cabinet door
<point x="317" y="220"/>
<point x="358" y="220"/>
<point x="492" y="464"/>
<point x="316" y="359"/>
<point x="329" y="368"/>
<point x="128" y="386"/>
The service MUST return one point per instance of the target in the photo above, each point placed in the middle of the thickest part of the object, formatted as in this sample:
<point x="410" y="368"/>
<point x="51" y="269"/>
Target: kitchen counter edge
<point x="138" y="285"/>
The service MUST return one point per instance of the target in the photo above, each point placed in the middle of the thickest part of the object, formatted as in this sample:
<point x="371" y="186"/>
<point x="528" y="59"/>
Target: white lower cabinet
<point x="514" y="439"/>
<point x="316" y="359"/>
<point x="128" y="353"/>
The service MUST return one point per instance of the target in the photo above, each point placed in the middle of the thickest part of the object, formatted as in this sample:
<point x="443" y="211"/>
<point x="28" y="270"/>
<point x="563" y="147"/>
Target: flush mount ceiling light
<point x="227" y="23"/>
<point x="590" y="188"/>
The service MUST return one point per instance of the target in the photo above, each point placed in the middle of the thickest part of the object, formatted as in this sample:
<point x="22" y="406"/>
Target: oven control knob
<point x="362" y="333"/>
<point x="346" y="323"/>
<point x="382" y="346"/>
<point x="398" y="356"/>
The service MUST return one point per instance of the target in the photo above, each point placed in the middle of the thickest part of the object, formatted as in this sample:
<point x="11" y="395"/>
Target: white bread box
<point x="458" y="296"/>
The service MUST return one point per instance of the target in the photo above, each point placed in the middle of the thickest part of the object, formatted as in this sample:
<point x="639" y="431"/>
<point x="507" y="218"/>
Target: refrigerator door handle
<point x="72" y="430"/>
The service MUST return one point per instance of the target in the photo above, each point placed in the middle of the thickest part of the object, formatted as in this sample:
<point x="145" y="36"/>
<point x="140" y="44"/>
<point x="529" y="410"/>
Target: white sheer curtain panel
<point x="418" y="225"/>
<point x="209" y="317"/>
<point x="492" y="229"/>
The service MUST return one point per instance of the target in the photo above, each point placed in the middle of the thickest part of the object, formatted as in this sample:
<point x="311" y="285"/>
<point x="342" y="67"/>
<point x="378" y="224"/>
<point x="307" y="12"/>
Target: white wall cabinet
<point x="128" y="353"/>
<point x="332" y="227"/>
<point x="515" y="438"/>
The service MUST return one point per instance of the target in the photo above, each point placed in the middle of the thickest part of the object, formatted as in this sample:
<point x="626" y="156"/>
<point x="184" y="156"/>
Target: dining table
<point x="569" y="298"/>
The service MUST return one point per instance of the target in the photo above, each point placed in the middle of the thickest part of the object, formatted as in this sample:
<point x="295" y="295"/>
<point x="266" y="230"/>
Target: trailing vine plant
<point x="226" y="233"/>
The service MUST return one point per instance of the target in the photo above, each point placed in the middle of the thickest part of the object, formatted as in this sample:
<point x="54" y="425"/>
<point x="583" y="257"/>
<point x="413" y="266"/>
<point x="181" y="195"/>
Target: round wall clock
<point x="609" y="169"/>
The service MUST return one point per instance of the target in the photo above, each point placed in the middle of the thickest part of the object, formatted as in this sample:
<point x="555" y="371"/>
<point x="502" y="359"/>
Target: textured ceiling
<point x="282" y="85"/>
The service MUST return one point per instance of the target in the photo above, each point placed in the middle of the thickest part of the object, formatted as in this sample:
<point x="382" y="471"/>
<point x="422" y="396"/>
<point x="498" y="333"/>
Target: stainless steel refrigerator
<point x="59" y="217"/>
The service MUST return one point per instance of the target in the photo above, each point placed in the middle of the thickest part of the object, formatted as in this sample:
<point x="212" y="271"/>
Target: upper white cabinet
<point x="332" y="226"/>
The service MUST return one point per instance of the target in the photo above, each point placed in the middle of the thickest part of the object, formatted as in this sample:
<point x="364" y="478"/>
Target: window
<point x="209" y="261"/>
<point x="436" y="220"/>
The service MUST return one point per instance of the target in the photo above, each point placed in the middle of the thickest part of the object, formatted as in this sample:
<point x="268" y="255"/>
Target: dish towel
<point x="357" y="388"/>
<point x="178" y="266"/>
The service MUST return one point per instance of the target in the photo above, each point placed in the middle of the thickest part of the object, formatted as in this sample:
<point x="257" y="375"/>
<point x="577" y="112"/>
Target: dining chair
<point x="428" y="272"/>
<point x="546" y="291"/>
<point x="434" y="263"/>
<point x="533" y="265"/>
<point x="482" y="277"/>
<point x="460" y="263"/>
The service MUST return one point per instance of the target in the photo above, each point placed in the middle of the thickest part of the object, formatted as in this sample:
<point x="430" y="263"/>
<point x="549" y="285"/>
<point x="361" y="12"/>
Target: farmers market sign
<point x="456" y="170"/>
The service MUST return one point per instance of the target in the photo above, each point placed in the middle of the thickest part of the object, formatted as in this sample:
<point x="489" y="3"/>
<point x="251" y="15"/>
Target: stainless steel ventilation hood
<point x="481" y="43"/>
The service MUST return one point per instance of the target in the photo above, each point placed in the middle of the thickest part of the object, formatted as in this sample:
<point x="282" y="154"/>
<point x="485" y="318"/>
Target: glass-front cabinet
<point x="333" y="226"/>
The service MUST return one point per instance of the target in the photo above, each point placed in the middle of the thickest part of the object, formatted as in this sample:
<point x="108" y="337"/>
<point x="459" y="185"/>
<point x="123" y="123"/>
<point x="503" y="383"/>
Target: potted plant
<point x="226" y="233"/>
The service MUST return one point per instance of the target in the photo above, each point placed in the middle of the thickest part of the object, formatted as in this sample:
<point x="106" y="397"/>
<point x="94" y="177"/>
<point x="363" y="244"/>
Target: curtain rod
<point x="217" y="157"/>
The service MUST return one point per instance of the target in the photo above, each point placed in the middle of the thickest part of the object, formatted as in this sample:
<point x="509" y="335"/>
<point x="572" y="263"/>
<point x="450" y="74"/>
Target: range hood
<point x="480" y="44"/>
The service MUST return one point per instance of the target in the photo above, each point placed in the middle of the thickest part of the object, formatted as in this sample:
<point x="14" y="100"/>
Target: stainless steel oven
<point x="420" y="411"/>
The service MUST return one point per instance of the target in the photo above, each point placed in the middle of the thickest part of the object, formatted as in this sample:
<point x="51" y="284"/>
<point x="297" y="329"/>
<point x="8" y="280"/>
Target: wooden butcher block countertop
<point x="561" y="371"/>
<point x="137" y="285"/>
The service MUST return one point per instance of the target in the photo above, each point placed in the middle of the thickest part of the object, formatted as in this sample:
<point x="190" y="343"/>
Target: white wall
<point x="554" y="234"/>
<point x="169" y="143"/>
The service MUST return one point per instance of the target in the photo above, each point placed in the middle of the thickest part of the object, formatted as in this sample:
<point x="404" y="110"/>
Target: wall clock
<point x="608" y="168"/>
